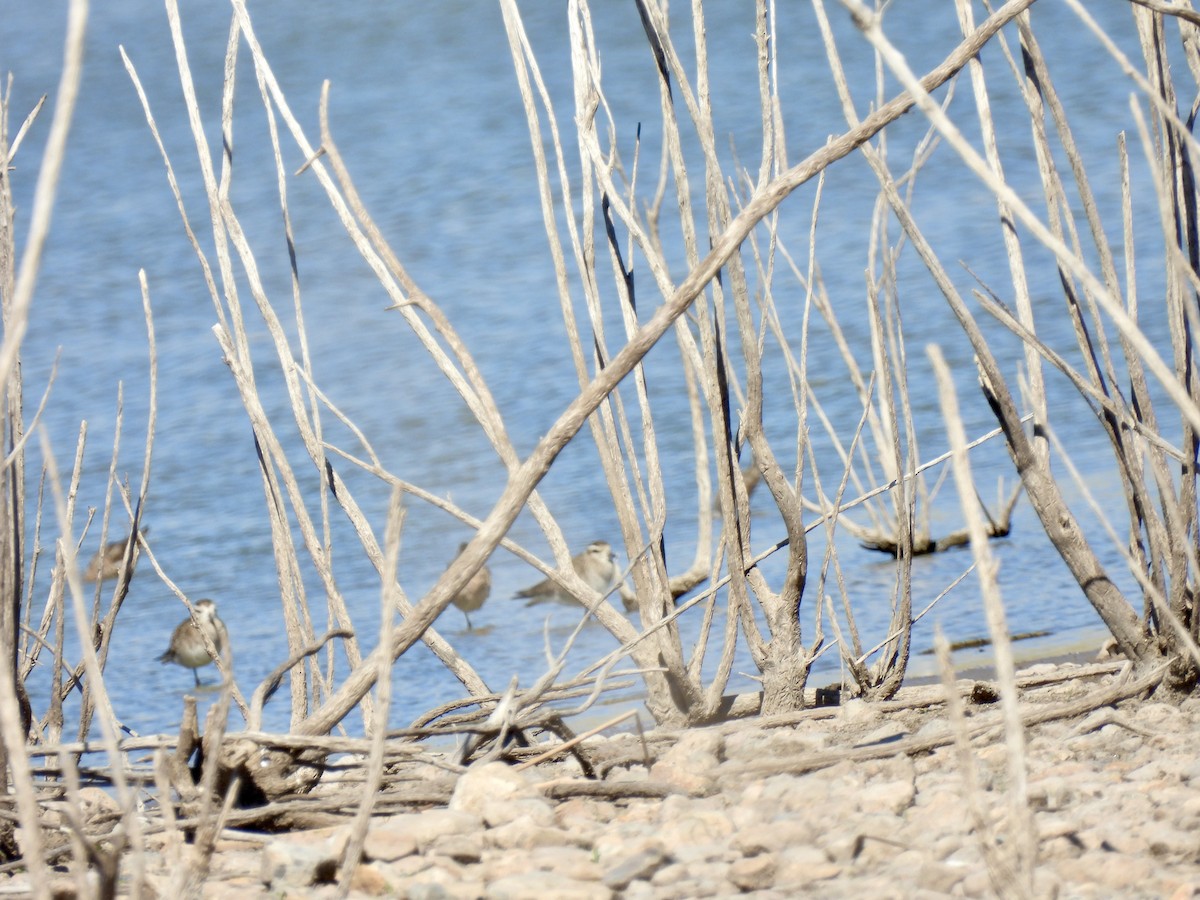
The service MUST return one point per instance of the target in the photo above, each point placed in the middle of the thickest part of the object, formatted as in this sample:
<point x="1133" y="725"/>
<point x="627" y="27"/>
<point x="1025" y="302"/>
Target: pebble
<point x="370" y="881"/>
<point x="526" y="834"/>
<point x="388" y="844"/>
<point x="296" y="863"/>
<point x="753" y="873"/>
<point x="639" y="866"/>
<point x="691" y="763"/>
<point x="539" y="885"/>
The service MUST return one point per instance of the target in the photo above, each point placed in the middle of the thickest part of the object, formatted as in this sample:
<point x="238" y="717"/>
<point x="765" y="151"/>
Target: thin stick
<point x="383" y="695"/>
<point x="17" y="314"/>
<point x="560" y="749"/>
<point x="1023" y="830"/>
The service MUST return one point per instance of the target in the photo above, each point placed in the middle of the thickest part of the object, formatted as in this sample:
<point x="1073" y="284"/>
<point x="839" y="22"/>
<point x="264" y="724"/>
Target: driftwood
<point x="568" y="788"/>
<point x="979" y="729"/>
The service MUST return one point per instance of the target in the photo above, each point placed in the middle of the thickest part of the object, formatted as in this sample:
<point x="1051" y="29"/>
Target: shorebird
<point x="107" y="561"/>
<point x="187" y="642"/>
<point x="596" y="565"/>
<point x="475" y="591"/>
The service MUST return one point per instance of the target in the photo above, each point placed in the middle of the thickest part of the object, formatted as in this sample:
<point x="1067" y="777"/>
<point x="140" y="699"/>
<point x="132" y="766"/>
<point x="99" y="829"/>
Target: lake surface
<point x="425" y="109"/>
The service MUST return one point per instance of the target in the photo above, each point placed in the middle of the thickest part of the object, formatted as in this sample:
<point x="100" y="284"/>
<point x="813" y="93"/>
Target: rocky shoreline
<point x="862" y="800"/>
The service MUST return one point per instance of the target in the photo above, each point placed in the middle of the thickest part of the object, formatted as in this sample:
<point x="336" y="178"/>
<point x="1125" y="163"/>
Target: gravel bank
<point x="865" y="800"/>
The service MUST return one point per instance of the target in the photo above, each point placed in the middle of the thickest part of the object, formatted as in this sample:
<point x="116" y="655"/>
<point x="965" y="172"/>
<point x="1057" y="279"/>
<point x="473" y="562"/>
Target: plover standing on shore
<point x="474" y="592"/>
<point x="106" y="564"/>
<point x="187" y="641"/>
<point x="596" y="565"/>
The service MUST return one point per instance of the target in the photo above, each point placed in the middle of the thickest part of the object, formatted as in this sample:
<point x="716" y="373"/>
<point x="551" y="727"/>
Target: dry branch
<point x="522" y="483"/>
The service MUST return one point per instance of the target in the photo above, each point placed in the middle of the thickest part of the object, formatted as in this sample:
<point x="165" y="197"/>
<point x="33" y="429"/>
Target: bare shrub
<point x="719" y="223"/>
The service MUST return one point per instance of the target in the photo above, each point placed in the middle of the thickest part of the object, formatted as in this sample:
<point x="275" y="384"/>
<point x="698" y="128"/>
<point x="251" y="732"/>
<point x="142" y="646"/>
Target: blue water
<point x="425" y="109"/>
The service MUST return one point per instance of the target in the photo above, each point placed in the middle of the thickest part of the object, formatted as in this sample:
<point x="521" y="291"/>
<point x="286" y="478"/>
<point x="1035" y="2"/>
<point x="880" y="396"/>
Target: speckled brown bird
<point x="475" y="591"/>
<point x="596" y="565"/>
<point x="187" y="647"/>
<point x="106" y="564"/>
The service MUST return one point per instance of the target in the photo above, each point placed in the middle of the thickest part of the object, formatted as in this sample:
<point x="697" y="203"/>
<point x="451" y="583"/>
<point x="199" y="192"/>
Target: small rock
<point x="778" y="836"/>
<point x="294" y="864"/>
<point x="1050" y="826"/>
<point x="440" y="882"/>
<point x="1155" y="715"/>
<point x="1060" y="847"/>
<point x="640" y="890"/>
<point x="1150" y="772"/>
<point x="369" y="879"/>
<point x="464" y="849"/>
<point x="968" y="855"/>
<point x="625" y="840"/>
<point x="1041" y="669"/>
<point x="388" y="844"/>
<point x="424" y="828"/>
<point x="934" y="729"/>
<point x="943" y="846"/>
<point x="66" y="889"/>
<point x="500" y="812"/>
<point x="695" y="835"/>
<point x="691" y="763"/>
<point x="639" y="811"/>
<point x="747" y="744"/>
<point x="1169" y="843"/>
<point x="1113" y="872"/>
<point x="803" y="866"/>
<point x="540" y="885"/>
<point x="525" y="834"/>
<point x="1113" y="838"/>
<point x="95" y="803"/>
<point x="895" y="768"/>
<point x="857" y="712"/>
<point x="842" y="846"/>
<point x="876" y="841"/>
<point x="977" y="883"/>
<point x="408" y="868"/>
<point x="785" y="794"/>
<point x="1186" y="891"/>
<point x="426" y="892"/>
<point x="993" y="756"/>
<point x="575" y="863"/>
<point x="890" y="796"/>
<point x="636" y="867"/>
<point x="1067" y="769"/>
<point x="939" y="812"/>
<point x="931" y="875"/>
<point x="708" y="879"/>
<point x="753" y="873"/>
<point x="1050" y="794"/>
<point x="571" y="813"/>
<point x="488" y="789"/>
<point x="671" y="873"/>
